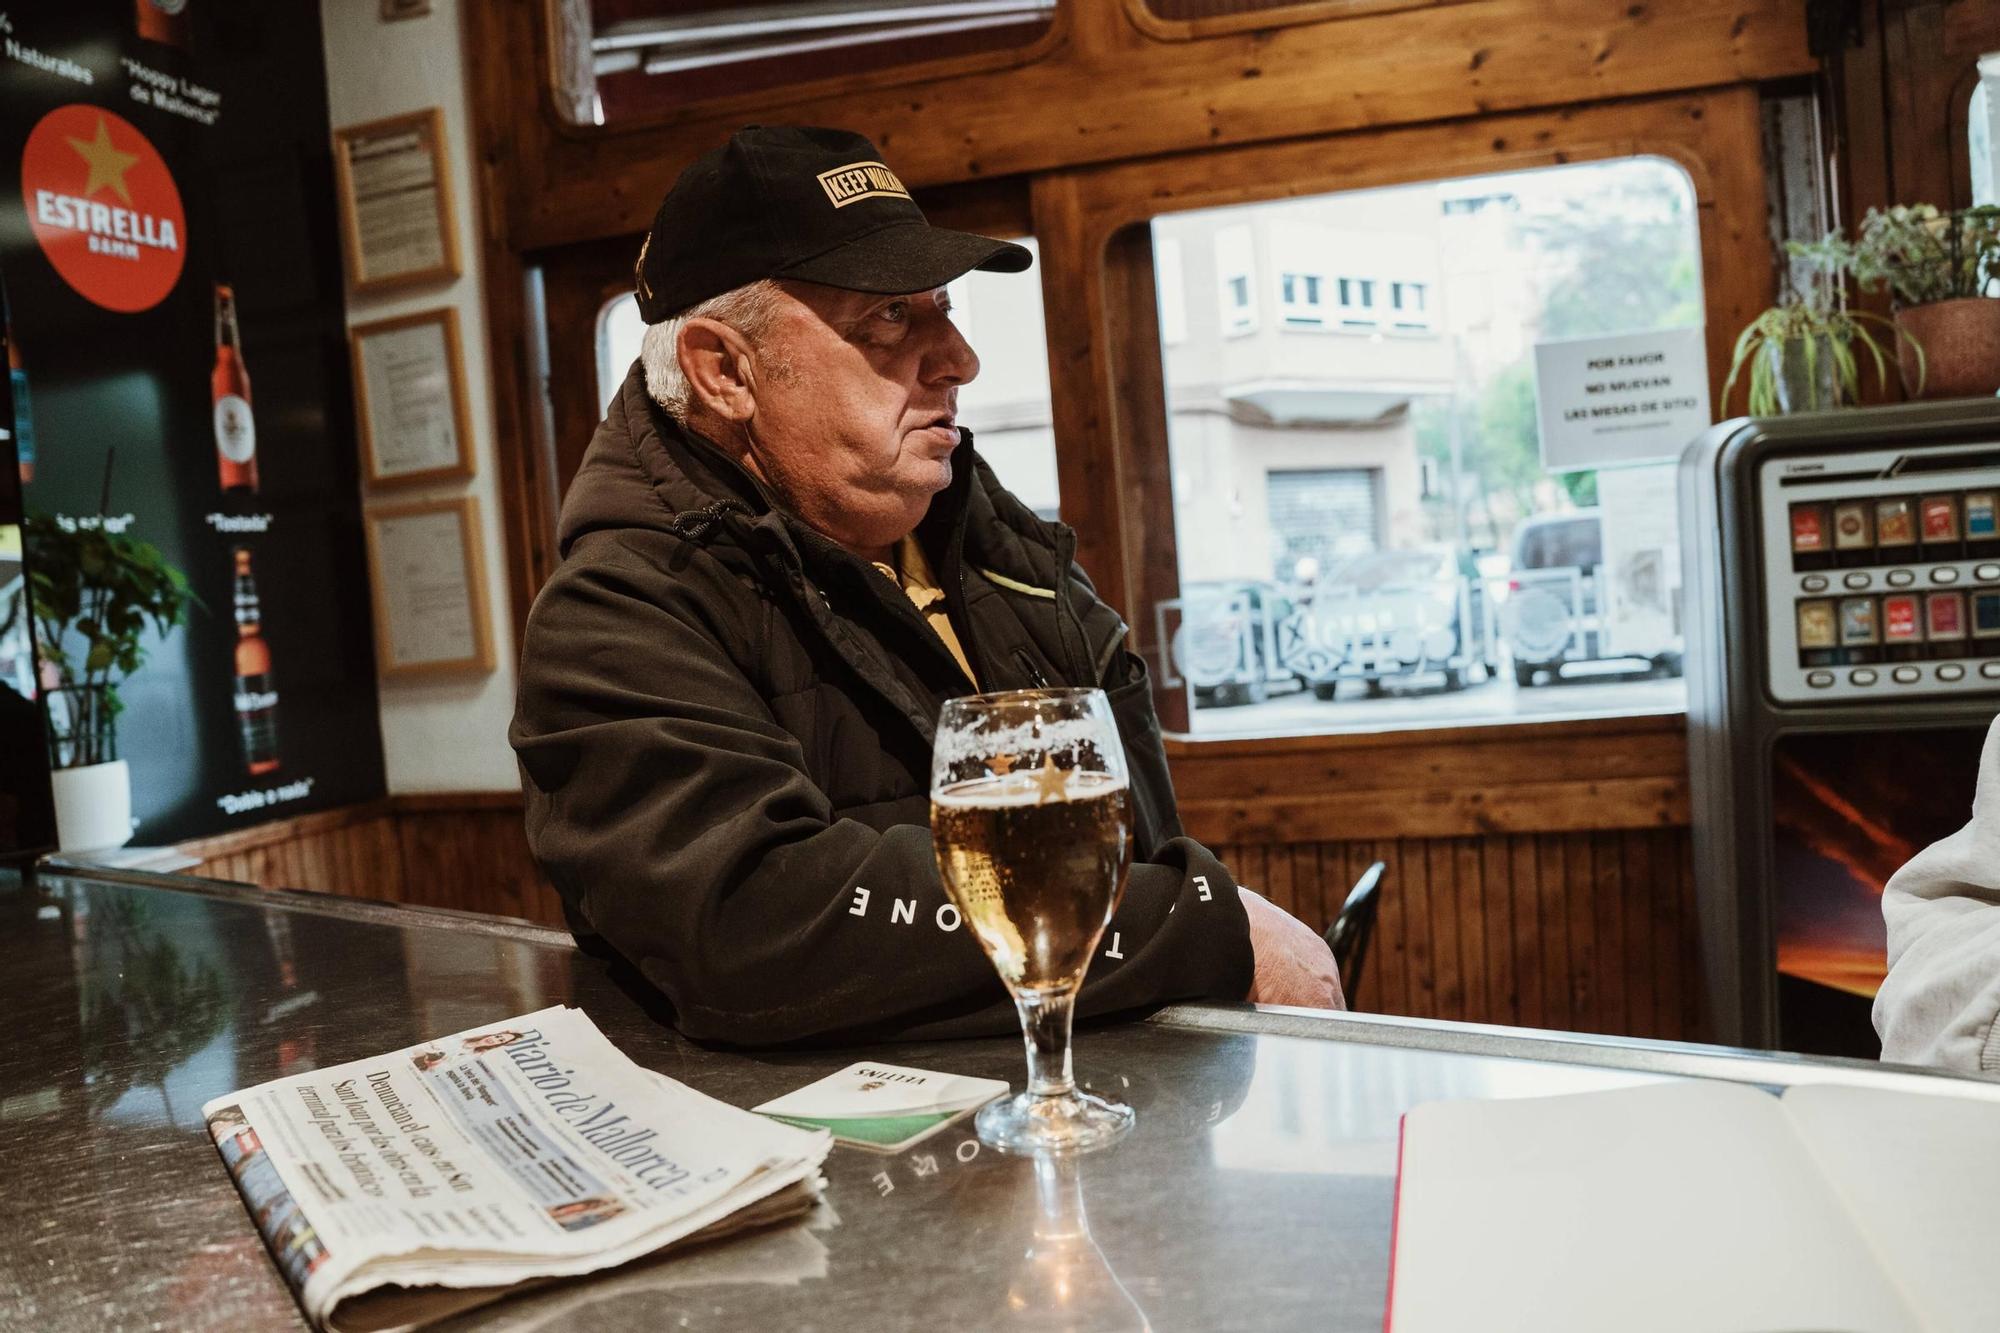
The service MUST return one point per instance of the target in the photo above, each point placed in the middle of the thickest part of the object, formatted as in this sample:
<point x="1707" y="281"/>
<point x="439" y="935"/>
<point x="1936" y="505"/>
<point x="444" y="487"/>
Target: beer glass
<point x="1030" y="819"/>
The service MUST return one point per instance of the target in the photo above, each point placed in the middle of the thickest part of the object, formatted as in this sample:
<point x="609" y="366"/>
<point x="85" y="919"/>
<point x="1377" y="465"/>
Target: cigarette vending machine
<point x="1843" y="661"/>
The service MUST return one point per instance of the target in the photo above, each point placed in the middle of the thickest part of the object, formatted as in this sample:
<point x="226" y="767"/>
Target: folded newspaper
<point x="402" y="1189"/>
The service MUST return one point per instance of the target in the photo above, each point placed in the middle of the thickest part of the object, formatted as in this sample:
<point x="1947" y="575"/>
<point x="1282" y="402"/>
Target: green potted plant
<point x="92" y="595"/>
<point x="1939" y="268"/>
<point x="1800" y="353"/>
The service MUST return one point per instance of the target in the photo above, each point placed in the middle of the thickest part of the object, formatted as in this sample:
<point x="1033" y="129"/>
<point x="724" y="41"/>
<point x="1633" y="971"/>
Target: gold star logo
<point x="1001" y="764"/>
<point x="1051" y="783"/>
<point x="107" y="165"/>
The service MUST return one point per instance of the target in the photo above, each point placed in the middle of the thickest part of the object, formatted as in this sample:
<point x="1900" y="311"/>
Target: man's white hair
<point x="749" y="310"/>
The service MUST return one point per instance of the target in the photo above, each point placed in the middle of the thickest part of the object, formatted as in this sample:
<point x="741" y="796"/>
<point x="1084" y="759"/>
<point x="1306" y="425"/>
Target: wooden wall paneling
<point x="1633" y="868"/>
<point x="462" y="850"/>
<point x="1618" y="773"/>
<point x="1420" y="939"/>
<point x="1469" y="872"/>
<point x="1677" y="1001"/>
<point x="1921" y="76"/>
<point x="1104" y="92"/>
<point x="1607" y="930"/>
<point x="1590" y="931"/>
<point x="1523" y="896"/>
<point x="470" y="852"/>
<point x="1448" y="915"/>
<point x="1497" y="925"/>
<point x="1551" y="943"/>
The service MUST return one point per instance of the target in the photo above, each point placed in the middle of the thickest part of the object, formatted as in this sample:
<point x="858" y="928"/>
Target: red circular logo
<point x="104" y="207"/>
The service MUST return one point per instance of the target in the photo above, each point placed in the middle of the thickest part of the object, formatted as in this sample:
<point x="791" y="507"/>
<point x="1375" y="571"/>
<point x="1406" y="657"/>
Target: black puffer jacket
<point x="725" y="727"/>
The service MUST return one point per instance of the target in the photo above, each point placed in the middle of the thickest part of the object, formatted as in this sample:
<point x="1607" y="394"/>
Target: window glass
<point x="1172" y="292"/>
<point x="1362" y="517"/>
<point x="1235" y="269"/>
<point x="1006" y="406"/>
<point x="619" y="331"/>
<point x="1983" y="132"/>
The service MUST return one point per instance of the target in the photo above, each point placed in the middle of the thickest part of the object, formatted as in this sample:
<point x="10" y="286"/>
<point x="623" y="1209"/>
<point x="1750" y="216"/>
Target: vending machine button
<point x="1945" y="574"/>
<point x="1857" y="580"/>
<point x="1951" y="671"/>
<point x="1987" y="573"/>
<point x="1813" y="583"/>
<point x="1862" y="677"/>
<point x="1990" y="670"/>
<point x="1906" y="675"/>
<point x="1901" y="578"/>
<point x="1819" y="680"/>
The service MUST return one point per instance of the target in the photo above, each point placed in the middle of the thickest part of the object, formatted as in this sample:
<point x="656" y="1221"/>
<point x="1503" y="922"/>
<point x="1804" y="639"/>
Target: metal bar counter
<point x="1255" y="1193"/>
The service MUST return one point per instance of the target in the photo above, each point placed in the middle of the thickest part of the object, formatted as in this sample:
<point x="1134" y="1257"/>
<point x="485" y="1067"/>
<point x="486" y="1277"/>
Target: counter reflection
<point x="1063" y="1280"/>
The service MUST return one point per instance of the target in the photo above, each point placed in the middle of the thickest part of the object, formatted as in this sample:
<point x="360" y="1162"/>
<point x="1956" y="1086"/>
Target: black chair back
<point x="1348" y="935"/>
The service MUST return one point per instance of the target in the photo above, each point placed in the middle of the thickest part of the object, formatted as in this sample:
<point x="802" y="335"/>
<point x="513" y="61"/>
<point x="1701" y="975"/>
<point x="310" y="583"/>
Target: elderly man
<point x="780" y="555"/>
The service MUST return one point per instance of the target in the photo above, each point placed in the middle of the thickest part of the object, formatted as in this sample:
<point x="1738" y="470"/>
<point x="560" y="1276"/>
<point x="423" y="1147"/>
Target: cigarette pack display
<point x="1986" y="622"/>
<point x="1944" y="623"/>
<point x="1902" y="627"/>
<point x="1982" y="524"/>
<point x="1812" y="545"/>
<point x="1819" y="633"/>
<point x="1860" y="631"/>
<point x="1854" y="532"/>
<point x="1895" y="528"/>
<point x="1940" y="527"/>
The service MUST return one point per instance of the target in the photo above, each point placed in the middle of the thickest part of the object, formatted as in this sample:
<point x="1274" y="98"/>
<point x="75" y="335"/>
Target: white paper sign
<point x="429" y="616"/>
<point x="1634" y="398"/>
<point x="1640" y="580"/>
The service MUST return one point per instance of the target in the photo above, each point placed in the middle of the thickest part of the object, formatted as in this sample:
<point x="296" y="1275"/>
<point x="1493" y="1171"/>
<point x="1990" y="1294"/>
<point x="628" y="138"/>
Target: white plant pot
<point x="93" y="806"/>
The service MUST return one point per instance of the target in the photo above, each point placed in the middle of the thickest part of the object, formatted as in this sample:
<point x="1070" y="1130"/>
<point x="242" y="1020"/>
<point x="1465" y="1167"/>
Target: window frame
<point x="1094" y="226"/>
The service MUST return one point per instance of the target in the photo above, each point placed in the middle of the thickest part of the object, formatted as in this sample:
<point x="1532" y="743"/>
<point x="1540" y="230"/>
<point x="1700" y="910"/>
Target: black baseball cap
<point x="787" y="201"/>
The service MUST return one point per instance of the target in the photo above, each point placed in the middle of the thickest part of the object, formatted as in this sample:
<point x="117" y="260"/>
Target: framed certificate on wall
<point x="427" y="579"/>
<point x="409" y="399"/>
<point x="395" y="202"/>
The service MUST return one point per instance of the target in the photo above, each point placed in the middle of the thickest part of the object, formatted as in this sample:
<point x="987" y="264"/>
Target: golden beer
<point x="1035" y="862"/>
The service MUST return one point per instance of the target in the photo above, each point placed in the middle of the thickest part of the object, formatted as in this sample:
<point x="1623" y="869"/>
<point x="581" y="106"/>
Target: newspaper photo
<point x="398" y="1190"/>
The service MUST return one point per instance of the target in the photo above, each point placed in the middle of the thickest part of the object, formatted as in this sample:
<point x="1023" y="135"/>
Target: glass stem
<point x="1045" y="1024"/>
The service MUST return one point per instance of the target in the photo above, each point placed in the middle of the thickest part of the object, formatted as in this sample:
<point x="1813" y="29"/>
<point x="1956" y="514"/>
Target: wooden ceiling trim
<point x="1106" y="95"/>
<point x="1161" y="28"/>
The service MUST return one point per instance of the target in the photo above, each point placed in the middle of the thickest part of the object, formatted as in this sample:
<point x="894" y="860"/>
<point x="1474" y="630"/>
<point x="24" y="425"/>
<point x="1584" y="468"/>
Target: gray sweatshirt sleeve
<point x="1941" y="999"/>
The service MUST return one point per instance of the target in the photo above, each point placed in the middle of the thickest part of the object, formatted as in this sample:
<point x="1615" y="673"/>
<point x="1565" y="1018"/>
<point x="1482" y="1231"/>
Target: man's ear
<point x="716" y="360"/>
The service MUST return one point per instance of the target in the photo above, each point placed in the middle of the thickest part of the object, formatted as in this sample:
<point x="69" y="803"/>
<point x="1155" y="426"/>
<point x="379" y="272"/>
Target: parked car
<point x="1224" y="644"/>
<point x="1392" y="615"/>
<point x="1554" y="612"/>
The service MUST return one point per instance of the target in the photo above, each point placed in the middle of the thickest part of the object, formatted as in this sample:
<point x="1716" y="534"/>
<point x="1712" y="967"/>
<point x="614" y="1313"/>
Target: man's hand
<point x="1294" y="966"/>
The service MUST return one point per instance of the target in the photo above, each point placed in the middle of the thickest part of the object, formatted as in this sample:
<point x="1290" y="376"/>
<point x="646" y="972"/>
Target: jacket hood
<point x="644" y="470"/>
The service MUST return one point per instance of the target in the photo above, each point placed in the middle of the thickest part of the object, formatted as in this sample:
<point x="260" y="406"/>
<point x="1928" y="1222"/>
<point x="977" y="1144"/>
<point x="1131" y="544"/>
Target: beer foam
<point x="1023" y="739"/>
<point x="1024" y="789"/>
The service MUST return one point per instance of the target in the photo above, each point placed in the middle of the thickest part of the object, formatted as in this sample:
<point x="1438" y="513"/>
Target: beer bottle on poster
<point x="256" y="687"/>
<point x="162" y="21"/>
<point x="235" y="428"/>
<point x="17" y="381"/>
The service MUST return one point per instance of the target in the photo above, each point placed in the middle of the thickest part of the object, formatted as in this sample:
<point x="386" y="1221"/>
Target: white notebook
<point x="1699" y="1207"/>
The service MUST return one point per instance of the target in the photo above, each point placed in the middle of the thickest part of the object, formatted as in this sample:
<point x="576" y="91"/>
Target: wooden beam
<point x="527" y="492"/>
<point x="1104" y="92"/>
